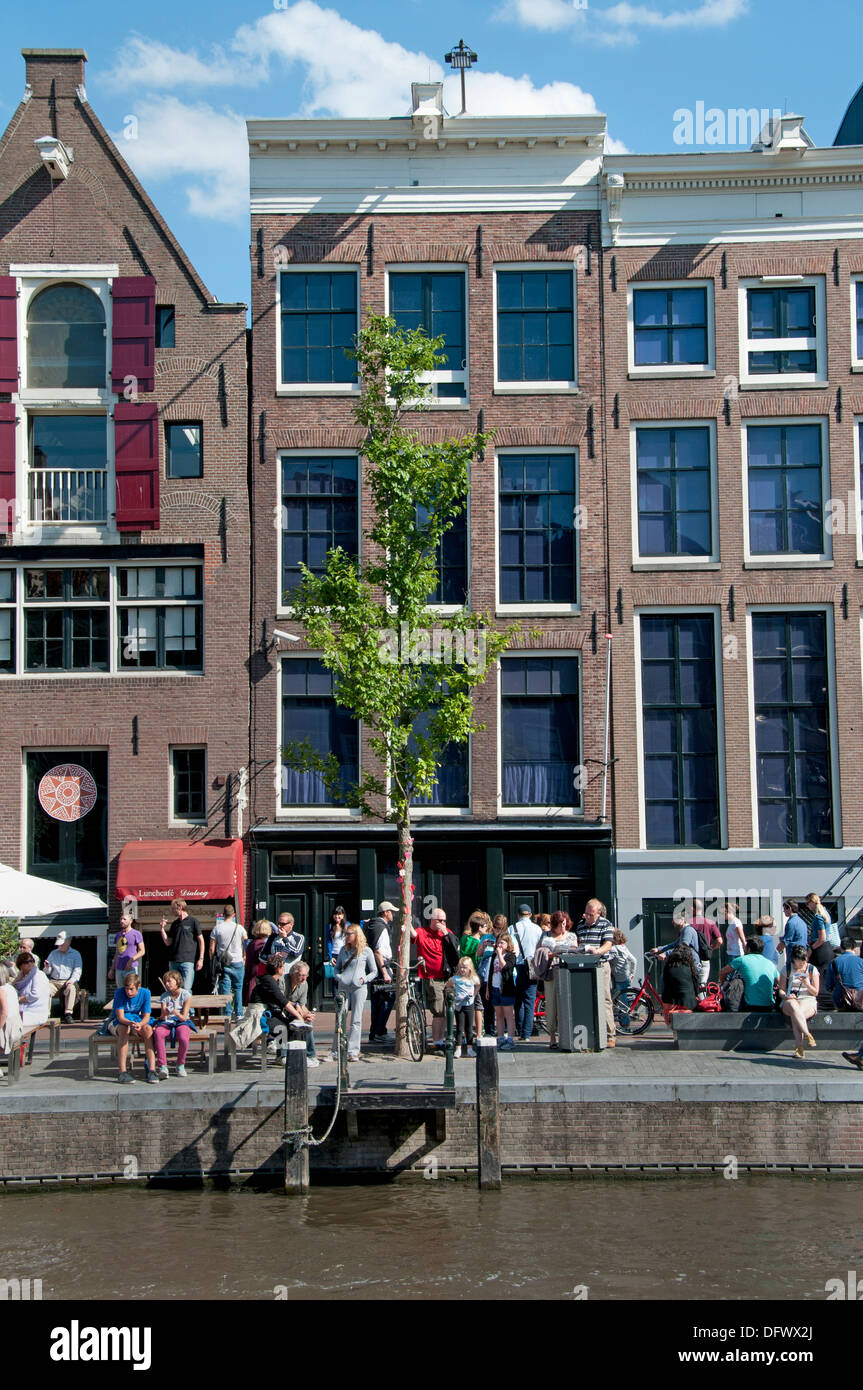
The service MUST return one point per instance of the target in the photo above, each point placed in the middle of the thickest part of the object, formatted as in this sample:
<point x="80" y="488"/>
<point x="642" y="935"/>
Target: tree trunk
<point x="403" y="953"/>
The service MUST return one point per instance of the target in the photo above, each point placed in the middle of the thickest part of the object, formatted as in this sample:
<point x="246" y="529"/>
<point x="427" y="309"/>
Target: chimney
<point x="427" y="102"/>
<point x="54" y="72"/>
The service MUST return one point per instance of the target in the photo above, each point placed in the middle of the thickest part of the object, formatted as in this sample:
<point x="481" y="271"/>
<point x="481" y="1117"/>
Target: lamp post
<point x="461" y="59"/>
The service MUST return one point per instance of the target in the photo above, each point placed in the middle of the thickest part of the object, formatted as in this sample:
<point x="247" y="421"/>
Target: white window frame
<point x="314" y="812"/>
<point x="540" y="812"/>
<point x="652" y="562"/>
<point x="536" y="388"/>
<point x="283" y="610"/>
<point x="442" y="374"/>
<point x="830" y="635"/>
<point x="313" y="388"/>
<point x="856" y="360"/>
<point x="113" y="604"/>
<point x="173" y="748"/>
<point x="670" y="369"/>
<point x="31" y="279"/>
<point x="536" y="609"/>
<point x="819" y="342"/>
<point x="856" y="498"/>
<point x="823" y="560"/>
<point x="680" y="611"/>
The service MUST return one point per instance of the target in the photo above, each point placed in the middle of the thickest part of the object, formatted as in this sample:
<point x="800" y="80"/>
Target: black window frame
<point x="669" y="326"/>
<point x="508" y="457"/>
<point x="166" y="326"/>
<point x="782" y="365"/>
<point x="679" y="753"/>
<point x="453" y="561"/>
<point x="189" y="782"/>
<point x="567" y="312"/>
<point x="170" y="427"/>
<point x="440" y="390"/>
<point x="331" y="499"/>
<point x="789" y="708"/>
<point x="334" y="381"/>
<point x="786" y="472"/>
<point x="675" y="512"/>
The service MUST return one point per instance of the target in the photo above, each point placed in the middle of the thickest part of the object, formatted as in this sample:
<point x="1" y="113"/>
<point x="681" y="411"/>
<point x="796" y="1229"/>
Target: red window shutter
<point x="134" y="333"/>
<point x="7" y="467"/>
<point x="8" y="333"/>
<point x="136" y="464"/>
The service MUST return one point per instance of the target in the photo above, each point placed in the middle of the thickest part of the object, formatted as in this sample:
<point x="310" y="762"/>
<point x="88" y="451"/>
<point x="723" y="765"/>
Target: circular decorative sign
<point x="67" y="792"/>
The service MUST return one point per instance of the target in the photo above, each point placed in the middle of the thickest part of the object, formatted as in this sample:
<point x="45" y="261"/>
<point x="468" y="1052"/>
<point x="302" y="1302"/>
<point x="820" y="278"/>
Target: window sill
<point x="316" y="812"/>
<point x="319" y="389"/>
<point x="670" y="372"/>
<point x="670" y="565"/>
<point x="182" y="822"/>
<point x="538" y="610"/>
<point x="536" y="388"/>
<point x="783" y="384"/>
<point x="787" y="562"/>
<point x="542" y="812"/>
<point x="441" y="812"/>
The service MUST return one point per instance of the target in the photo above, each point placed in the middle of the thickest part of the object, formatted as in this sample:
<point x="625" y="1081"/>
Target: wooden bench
<point x="27" y="1041"/>
<point x="834" y="1030"/>
<point x="81" y="1004"/>
<point x="211" y="1022"/>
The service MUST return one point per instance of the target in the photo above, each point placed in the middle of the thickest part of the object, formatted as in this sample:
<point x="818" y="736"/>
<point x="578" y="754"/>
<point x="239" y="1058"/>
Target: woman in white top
<point x="798" y="989"/>
<point x="174" y="1025"/>
<point x="34" y="992"/>
<point x="10" y="1013"/>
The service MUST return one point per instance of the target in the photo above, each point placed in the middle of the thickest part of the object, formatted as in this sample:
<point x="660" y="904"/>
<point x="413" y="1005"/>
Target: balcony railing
<point x="69" y="495"/>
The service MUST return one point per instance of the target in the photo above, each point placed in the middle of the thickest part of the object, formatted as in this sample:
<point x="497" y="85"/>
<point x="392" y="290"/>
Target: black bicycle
<point x="415" y="1030"/>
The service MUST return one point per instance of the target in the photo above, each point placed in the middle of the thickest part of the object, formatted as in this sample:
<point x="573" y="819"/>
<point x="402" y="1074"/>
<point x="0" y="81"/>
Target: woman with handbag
<point x="798" y="990"/>
<point x="355" y="970"/>
<point x="503" y="991"/>
<point x="681" y="982"/>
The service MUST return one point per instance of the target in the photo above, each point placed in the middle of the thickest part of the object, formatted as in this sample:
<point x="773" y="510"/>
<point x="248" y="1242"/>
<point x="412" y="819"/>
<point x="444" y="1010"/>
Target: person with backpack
<point x="709" y="938"/>
<point x="759" y="977"/>
<point x="798" y="991"/>
<point x="527" y="936"/>
<point x="227" y="953"/>
<point x="845" y="977"/>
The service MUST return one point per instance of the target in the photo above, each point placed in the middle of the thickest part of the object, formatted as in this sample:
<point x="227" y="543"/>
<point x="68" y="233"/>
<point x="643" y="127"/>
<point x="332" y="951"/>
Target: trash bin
<point x="581" y="1003"/>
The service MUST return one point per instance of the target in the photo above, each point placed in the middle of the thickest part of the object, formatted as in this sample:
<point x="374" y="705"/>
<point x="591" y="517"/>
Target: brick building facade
<point x="733" y="419"/>
<point x="489" y="232"/>
<point x="124" y="559"/>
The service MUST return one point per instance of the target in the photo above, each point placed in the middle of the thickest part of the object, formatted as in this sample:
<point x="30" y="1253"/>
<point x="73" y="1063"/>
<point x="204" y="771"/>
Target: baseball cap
<point x="387" y="907"/>
<point x="525" y="907"/>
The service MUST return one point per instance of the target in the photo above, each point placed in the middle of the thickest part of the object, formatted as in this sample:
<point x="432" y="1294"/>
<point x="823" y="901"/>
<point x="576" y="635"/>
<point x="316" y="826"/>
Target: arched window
<point x="66" y="338"/>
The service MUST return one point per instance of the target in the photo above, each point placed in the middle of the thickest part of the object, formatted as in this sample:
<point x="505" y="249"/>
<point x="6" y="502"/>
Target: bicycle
<point x="415" y="1023"/>
<point x="635" y="1009"/>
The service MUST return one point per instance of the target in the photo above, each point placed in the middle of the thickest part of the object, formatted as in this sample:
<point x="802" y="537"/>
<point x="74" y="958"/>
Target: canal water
<point x="755" y="1237"/>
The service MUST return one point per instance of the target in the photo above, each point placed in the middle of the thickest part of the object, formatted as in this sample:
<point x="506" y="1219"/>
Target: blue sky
<point x="190" y="72"/>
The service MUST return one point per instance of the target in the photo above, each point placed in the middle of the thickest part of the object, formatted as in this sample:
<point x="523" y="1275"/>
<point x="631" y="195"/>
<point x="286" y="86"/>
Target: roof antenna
<point x="461" y="59"/>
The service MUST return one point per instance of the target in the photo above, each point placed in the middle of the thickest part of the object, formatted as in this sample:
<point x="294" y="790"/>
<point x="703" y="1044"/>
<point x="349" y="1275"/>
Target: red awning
<point x="159" y="870"/>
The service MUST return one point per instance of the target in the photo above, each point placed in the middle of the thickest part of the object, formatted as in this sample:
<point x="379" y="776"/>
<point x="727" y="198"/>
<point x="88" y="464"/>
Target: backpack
<point x="732" y="995"/>
<point x="704" y="951"/>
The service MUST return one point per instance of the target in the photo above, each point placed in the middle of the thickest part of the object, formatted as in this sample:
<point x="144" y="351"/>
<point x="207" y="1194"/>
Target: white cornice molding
<point x="268" y="137"/>
<point x="504" y="198"/>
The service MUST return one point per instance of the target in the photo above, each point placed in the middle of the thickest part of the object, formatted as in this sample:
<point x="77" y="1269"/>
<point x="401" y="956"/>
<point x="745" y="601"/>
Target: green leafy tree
<point x="407" y="672"/>
<point x="9" y="941"/>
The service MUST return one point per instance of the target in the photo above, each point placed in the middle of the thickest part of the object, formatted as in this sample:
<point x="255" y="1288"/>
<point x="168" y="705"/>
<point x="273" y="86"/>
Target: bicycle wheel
<point x="415" y="1031"/>
<point x="632" y="1017"/>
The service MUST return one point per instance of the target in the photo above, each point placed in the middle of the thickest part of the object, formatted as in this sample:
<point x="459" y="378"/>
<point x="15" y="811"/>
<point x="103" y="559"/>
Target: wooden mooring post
<point x="487" y="1115"/>
<point x="296" y="1119"/>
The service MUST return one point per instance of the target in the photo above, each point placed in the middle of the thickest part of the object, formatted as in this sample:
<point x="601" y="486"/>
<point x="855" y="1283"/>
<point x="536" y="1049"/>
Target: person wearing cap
<point x="63" y="968"/>
<point x="380" y="940"/>
<point x="526" y="936"/>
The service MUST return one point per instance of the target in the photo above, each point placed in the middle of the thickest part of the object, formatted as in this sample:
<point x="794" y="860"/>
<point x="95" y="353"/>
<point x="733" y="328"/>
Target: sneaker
<point x="281" y="1061"/>
<point x="312" y="1062"/>
<point x="507" y="1045"/>
<point x="152" y="1078"/>
<point x="471" y="1052"/>
<point x="353" y="1056"/>
<point x="181" y="1070"/>
<point x="125" y="1079"/>
<point x="457" y="1052"/>
<point x="163" y="1073"/>
<point x="67" y="1018"/>
<point x="854" y="1058"/>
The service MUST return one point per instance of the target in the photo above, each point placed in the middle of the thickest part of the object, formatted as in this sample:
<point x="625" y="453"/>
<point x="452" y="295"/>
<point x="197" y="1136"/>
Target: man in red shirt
<point x="709" y="933"/>
<point x="437" y="951"/>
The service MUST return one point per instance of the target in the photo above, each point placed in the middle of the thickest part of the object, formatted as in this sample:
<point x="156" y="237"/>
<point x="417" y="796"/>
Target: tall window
<point x="451" y="787"/>
<point x="184" y="451"/>
<point x="858" y="321"/>
<point x="66" y="344"/>
<point x="792" y="728"/>
<point x="434" y="300"/>
<point x="8" y="587"/>
<point x="165" y="326"/>
<point x="311" y="715"/>
<point x="786" y="509"/>
<point x="669" y="327"/>
<point x="451" y="588"/>
<point x="540" y="722"/>
<point x="674" y="508"/>
<point x="188" y="784"/>
<point x="160" y="617"/>
<point x="68" y="468"/>
<point x="535" y="325"/>
<point x="537" y="528"/>
<point x="781" y="331"/>
<point x="66" y="620"/>
<point x="678" y="696"/>
<point x="319" y="322"/>
<point x="320" y="512"/>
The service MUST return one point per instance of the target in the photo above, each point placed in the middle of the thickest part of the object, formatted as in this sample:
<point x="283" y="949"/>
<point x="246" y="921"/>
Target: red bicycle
<point x="635" y="1009"/>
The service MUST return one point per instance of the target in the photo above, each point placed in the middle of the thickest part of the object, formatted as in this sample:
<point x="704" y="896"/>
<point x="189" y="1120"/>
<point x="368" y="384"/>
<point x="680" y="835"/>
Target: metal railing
<point x="59" y="495"/>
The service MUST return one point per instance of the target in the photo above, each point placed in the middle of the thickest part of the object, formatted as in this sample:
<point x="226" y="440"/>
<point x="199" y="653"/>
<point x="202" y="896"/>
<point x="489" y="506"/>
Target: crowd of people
<point x="491" y="972"/>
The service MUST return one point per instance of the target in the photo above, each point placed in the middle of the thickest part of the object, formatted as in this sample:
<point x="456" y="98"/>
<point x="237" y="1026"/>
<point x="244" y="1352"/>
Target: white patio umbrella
<point x="24" y="895"/>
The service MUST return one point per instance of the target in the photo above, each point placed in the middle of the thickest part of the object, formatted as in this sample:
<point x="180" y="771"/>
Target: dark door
<point x="517" y="897"/>
<point x="73" y="851"/>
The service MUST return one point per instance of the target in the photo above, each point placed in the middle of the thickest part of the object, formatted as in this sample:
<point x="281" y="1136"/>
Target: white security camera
<point x="284" y="636"/>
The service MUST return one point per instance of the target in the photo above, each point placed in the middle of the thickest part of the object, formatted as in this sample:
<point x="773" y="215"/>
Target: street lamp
<point x="461" y="59"/>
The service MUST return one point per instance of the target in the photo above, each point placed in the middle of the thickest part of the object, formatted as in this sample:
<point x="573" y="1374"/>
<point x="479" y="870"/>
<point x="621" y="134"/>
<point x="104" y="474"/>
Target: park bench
<point x="211" y="1022"/>
<point x="27" y="1041"/>
<point x="834" y="1030"/>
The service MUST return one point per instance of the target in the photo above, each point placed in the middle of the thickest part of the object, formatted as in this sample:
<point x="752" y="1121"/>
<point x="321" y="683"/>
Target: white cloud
<point x="143" y="62"/>
<point x="618" y="23"/>
<point x="494" y="94"/>
<point x="205" y="145"/>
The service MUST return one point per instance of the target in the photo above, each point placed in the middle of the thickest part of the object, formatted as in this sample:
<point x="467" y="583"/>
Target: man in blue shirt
<point x="795" y="931"/>
<point x="766" y="928"/>
<point x="846" y="969"/>
<point x="759" y="977"/>
<point x="687" y="937"/>
<point x="131" y="1019"/>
